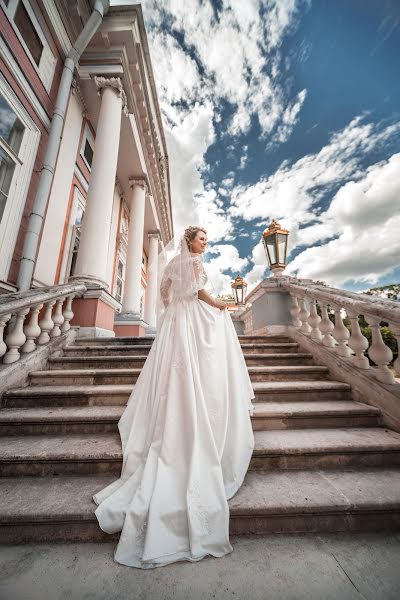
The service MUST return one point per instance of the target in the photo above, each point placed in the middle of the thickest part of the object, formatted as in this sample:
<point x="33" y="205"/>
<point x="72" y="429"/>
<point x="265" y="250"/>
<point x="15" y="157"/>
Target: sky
<point x="285" y="109"/>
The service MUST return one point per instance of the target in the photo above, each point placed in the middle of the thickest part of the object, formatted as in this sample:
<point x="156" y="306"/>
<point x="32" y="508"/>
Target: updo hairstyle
<point x="190" y="234"/>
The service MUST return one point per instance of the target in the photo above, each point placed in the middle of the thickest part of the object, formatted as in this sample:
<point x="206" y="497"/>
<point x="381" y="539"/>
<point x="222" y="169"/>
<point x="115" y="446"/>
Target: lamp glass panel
<point x="282" y="243"/>
<point x="270" y="244"/>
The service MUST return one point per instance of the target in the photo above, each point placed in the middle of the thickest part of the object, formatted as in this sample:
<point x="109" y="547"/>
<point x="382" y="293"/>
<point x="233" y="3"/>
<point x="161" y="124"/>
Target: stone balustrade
<point x="30" y="319"/>
<point x="350" y="346"/>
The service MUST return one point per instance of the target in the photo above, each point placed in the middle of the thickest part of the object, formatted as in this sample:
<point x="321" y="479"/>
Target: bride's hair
<point x="191" y="232"/>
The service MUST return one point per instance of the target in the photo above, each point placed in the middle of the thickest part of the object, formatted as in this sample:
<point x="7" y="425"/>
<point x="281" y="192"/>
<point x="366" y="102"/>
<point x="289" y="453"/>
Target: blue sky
<point x="286" y="109"/>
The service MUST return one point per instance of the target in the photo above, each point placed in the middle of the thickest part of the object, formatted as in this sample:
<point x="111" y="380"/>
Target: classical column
<point x="133" y="272"/>
<point x="151" y="290"/>
<point x="93" y="245"/>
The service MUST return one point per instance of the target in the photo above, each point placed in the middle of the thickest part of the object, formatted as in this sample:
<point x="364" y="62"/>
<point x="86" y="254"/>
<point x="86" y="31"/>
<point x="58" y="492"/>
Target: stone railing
<point x="348" y="345"/>
<point x="27" y="326"/>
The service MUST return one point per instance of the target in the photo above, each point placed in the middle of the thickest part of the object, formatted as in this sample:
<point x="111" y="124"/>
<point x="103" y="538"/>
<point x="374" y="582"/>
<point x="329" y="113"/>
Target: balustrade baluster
<point x="358" y="342"/>
<point x="294" y="311"/>
<point x="32" y="330"/>
<point x="67" y="314"/>
<point x="326" y="327"/>
<point x="303" y="315"/>
<point x="16" y="338"/>
<point x="46" y="324"/>
<point x="3" y="322"/>
<point x="58" y="318"/>
<point x="341" y="334"/>
<point x="379" y="352"/>
<point x="314" y="321"/>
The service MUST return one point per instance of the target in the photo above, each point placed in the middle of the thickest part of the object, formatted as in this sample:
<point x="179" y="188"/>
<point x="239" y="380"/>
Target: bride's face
<point x="199" y="244"/>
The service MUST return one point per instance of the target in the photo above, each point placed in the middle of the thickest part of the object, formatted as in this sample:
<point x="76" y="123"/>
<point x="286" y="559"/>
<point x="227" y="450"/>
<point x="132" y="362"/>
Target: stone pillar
<point x="95" y="311"/>
<point x="91" y="263"/>
<point x="129" y="321"/>
<point x="151" y="290"/>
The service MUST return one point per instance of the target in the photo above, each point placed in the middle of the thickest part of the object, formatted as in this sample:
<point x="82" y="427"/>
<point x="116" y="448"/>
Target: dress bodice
<point x="182" y="279"/>
<point x="200" y="273"/>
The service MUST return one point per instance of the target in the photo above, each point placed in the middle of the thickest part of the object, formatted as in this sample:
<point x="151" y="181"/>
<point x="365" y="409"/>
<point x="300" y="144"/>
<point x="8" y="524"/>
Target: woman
<point x="186" y="432"/>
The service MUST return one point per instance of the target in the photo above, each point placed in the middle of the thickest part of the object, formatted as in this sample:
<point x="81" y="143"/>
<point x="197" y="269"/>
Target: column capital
<point x="116" y="84"/>
<point x="139" y="181"/>
<point x="154" y="234"/>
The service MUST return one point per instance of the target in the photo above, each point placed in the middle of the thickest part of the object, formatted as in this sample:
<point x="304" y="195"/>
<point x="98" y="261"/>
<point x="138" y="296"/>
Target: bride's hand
<point x="219" y="304"/>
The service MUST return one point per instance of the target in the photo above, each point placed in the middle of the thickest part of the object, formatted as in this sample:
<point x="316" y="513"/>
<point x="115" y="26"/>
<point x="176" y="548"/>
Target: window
<point x="32" y="38"/>
<point x="120" y="260"/>
<point x="76" y="234"/>
<point x="88" y="153"/>
<point x="28" y="32"/>
<point x="87" y="146"/>
<point x="7" y="167"/>
<point x="11" y="128"/>
<point x="119" y="281"/>
<point x="11" y="134"/>
<point x="19" y="138"/>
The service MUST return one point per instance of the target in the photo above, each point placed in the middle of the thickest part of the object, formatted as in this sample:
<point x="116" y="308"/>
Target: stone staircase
<point x="321" y="462"/>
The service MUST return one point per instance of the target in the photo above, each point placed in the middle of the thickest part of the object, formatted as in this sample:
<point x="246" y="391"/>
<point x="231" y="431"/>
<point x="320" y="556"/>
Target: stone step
<point x="264" y="339"/>
<point x="60" y="454"/>
<point x="61" y="395"/>
<point x="97" y="362"/>
<point x="315" y="415"/>
<point x="106" y="376"/>
<point x="277" y="348"/>
<point x="288" y="373"/>
<point x="104" y="419"/>
<point x="69" y="377"/>
<point x="284" y="450"/>
<point x="111" y="341"/>
<point x="60" y="420"/>
<point x="301" y="391"/>
<point x="106" y="350"/>
<point x="278" y="359"/>
<point x="326" y="448"/>
<point x="116" y="395"/>
<point x="316" y="501"/>
<point x="61" y="509"/>
<point x="127" y="362"/>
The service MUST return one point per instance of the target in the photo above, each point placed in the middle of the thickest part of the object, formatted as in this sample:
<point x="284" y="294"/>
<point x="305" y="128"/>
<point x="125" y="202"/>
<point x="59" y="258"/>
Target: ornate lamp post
<point x="275" y="240"/>
<point x="239" y="290"/>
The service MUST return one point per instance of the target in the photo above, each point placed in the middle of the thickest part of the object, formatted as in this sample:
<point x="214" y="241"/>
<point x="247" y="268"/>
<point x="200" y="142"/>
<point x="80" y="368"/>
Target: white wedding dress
<point x="187" y="441"/>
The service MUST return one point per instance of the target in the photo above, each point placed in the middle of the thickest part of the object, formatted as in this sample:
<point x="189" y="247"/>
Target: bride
<point x="186" y="432"/>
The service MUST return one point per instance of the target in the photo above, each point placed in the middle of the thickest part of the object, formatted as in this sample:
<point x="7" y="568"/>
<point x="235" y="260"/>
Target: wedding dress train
<point x="187" y="441"/>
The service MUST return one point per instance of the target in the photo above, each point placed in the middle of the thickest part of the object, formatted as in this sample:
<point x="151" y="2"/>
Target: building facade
<point x="108" y="210"/>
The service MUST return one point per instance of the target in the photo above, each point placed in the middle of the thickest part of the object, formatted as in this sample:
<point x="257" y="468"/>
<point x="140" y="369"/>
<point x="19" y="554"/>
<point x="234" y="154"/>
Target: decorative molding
<point x="87" y="71"/>
<point x="154" y="234"/>
<point x="141" y="182"/>
<point x="76" y="90"/>
<point x="116" y="84"/>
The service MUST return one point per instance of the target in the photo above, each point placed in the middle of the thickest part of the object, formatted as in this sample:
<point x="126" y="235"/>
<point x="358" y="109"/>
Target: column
<point x="151" y="290"/>
<point x="93" y="245"/>
<point x="95" y="312"/>
<point x="133" y="272"/>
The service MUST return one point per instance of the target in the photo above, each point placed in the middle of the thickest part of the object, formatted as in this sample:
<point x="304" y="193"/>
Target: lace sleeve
<point x="199" y="273"/>
<point x="164" y="289"/>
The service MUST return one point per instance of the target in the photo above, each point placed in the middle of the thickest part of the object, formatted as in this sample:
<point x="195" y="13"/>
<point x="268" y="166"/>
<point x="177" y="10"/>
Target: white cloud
<point x="227" y="259"/>
<point x="292" y="193"/>
<point x="199" y="80"/>
<point x="258" y="272"/>
<point x="365" y="217"/>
